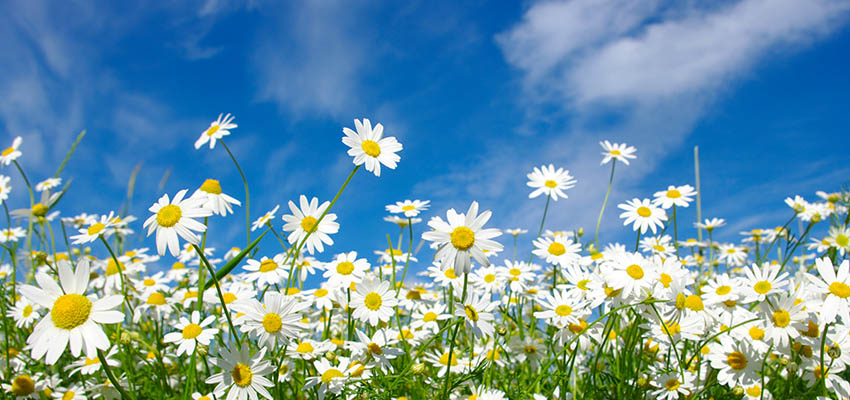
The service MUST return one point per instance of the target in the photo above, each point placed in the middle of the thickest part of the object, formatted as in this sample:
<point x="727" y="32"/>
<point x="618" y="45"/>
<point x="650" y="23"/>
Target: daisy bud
<point x="580" y="232"/>
<point x="135" y="336"/>
<point x="40" y="257"/>
<point x="792" y="368"/>
<point x="834" y="351"/>
<point x="203" y="350"/>
<point x="738" y="390"/>
<point x="125" y="338"/>
<point x="418" y="368"/>
<point x="502" y="331"/>
<point x="784" y="361"/>
<point x="330" y="356"/>
<point x="641" y="381"/>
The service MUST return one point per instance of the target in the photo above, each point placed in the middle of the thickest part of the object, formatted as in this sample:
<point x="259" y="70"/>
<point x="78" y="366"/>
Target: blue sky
<point x="478" y="93"/>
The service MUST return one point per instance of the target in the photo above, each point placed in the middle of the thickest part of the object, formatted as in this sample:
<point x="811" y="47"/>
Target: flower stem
<point x="247" y="195"/>
<point x="605" y="202"/>
<point x="111" y="377"/>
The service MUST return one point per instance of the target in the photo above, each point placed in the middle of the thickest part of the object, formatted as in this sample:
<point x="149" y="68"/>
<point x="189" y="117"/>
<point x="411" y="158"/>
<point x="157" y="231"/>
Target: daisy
<point x="840" y="239"/>
<point x="278" y="318"/>
<point x="559" y="250"/>
<point x="528" y="350"/>
<point x="710" y="224"/>
<point x="643" y="213"/>
<point x="74" y="392"/>
<point x="410" y="208"/>
<point x="671" y="385"/>
<point x="12" y="234"/>
<point x="477" y="312"/>
<point x="73" y="318"/>
<point x="345" y="269"/>
<point x="48" y="184"/>
<point x="265" y="218"/>
<point x="836" y="287"/>
<point x="330" y="378"/>
<point x="217" y="130"/>
<point x="5" y="188"/>
<point x="152" y="283"/>
<point x="762" y="282"/>
<point x="305" y="220"/>
<point x="373" y="301"/>
<point x="24" y="312"/>
<point x="517" y="274"/>
<point x="516" y="231"/>
<point x="308" y="349"/>
<point x="88" y="366"/>
<point x="191" y="333"/>
<point x="11" y="153"/>
<point x="267" y="271"/>
<point x="736" y="361"/>
<point x="783" y="320"/>
<point x="216" y="201"/>
<point x="368" y="146"/>
<point x="657" y="245"/>
<point x="176" y="217"/>
<point x="377" y="348"/>
<point x="633" y="274"/>
<point x="241" y="376"/>
<point x="487" y="279"/>
<point x="559" y="308"/>
<point x="95" y="230"/>
<point x="462" y="238"/>
<point x="617" y="151"/>
<point x="428" y="317"/>
<point x="546" y="180"/>
<point x="680" y="196"/>
<point x="731" y="254"/>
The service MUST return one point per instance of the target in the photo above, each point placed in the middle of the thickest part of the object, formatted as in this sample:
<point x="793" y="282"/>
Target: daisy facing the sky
<point x="462" y="238"/>
<point x="216" y="201"/>
<point x="217" y="130"/>
<point x="73" y="317"/>
<point x="11" y="153"/>
<point x="373" y="301"/>
<point x="368" y="146"/>
<point x="305" y="219"/>
<point x="549" y="181"/>
<point x="618" y="152"/>
<point x="643" y="213"/>
<point x="176" y="217"/>
<point x="680" y="196"/>
<point x="241" y="375"/>
<point x="410" y="208"/>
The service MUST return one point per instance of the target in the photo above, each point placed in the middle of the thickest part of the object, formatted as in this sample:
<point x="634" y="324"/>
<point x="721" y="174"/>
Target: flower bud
<point x="792" y="368"/>
<point x="203" y="350"/>
<point x="418" y="368"/>
<point x="502" y="331"/>
<point x="330" y="356"/>
<point x="738" y="390"/>
<point x="125" y="338"/>
<point x="834" y="351"/>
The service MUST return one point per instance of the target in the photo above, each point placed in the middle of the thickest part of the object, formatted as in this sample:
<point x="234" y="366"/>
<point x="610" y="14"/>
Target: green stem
<point x="247" y="195"/>
<point x="605" y="202"/>
<point x="111" y="377"/>
<point x="220" y="295"/>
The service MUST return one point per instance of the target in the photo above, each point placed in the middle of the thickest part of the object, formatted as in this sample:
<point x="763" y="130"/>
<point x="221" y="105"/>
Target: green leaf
<point x="223" y="271"/>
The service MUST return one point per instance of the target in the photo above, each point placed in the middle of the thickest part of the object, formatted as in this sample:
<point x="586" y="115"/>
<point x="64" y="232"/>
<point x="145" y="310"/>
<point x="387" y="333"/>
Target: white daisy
<point x="176" y="217"/>
<point x="48" y="184"/>
<point x="368" y="146"/>
<point x="278" y="318"/>
<point x="643" y="213"/>
<point x="191" y="333"/>
<point x="345" y="269"/>
<point x="304" y="220"/>
<point x="95" y="230"/>
<point x="218" y="129"/>
<point x="267" y="271"/>
<point x="559" y="250"/>
<point x="410" y="208"/>
<point x="373" y="301"/>
<point x="477" y="311"/>
<point x="264" y="219"/>
<point x="680" y="196"/>
<point x="546" y="180"/>
<point x="617" y="151"/>
<point x="241" y="376"/>
<point x="5" y="188"/>
<point x="330" y="378"/>
<point x="11" y="153"/>
<point x="462" y="238"/>
<point x="836" y="287"/>
<point x="216" y="201"/>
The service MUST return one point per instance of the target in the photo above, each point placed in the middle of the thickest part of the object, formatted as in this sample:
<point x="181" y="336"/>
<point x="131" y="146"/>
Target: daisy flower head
<point x="763" y="281"/>
<point x="216" y="201"/>
<point x="5" y="188"/>
<point x="95" y="230"/>
<point x="11" y="153"/>
<point x="305" y="220"/>
<point x="241" y="376"/>
<point x="516" y="231"/>
<point x="24" y="313"/>
<point x="617" y="151"/>
<point x="278" y="318"/>
<point x="559" y="308"/>
<point x="643" y="213"/>
<point x="378" y="347"/>
<point x="710" y="224"/>
<point x="176" y="217"/>
<point x="462" y="238"/>
<point x="680" y="196"/>
<point x="672" y="385"/>
<point x="267" y="271"/>
<point x="840" y="239"/>
<point x="477" y="311"/>
<point x="410" y="208"/>
<point x="345" y="269"/>
<point x="368" y="146"/>
<point x="191" y="333"/>
<point x="217" y="130"/>
<point x="265" y="218"/>
<point x="736" y="361"/>
<point x="633" y="274"/>
<point x="48" y="184"/>
<point x="836" y="287"/>
<point x="558" y="250"/>
<point x="12" y="234"/>
<point x="373" y="301"/>
<point x="330" y="378"/>
<point x="783" y="320"/>
<point x="549" y="181"/>
<point x="73" y="317"/>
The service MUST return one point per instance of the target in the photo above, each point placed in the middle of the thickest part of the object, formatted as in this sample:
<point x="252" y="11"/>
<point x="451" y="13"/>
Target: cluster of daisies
<point x="442" y="313"/>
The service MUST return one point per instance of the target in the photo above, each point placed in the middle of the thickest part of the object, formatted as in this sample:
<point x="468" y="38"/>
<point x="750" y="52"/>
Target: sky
<point x="478" y="93"/>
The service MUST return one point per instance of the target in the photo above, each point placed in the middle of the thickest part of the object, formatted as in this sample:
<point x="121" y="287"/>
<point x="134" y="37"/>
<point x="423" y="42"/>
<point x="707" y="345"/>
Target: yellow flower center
<point x="70" y="311"/>
<point x="211" y="186"/>
<point x="307" y="223"/>
<point x="551" y="184"/>
<point x="371" y="148"/>
<point x="191" y="331"/>
<point x="644" y="211"/>
<point x="168" y="216"/>
<point x="615" y="152"/>
<point x="373" y="301"/>
<point x="447" y="358"/>
<point x="515" y="271"/>
<point x="694" y="303"/>
<point x="242" y="375"/>
<point x="112" y="268"/>
<point x="489" y="278"/>
<point x="149" y="282"/>
<point x="635" y="271"/>
<point x="321" y="292"/>
<point x="723" y="290"/>
<point x="69" y="395"/>
<point x="39" y="210"/>
<point x="22" y="385"/>
<point x="7" y="151"/>
<point x="272" y="323"/>
<point x="429" y="316"/>
<point x="470" y="312"/>
<point x="659" y="248"/>
<point x="408" y="208"/>
<point x="736" y="360"/>
<point x="178" y="265"/>
<point x="762" y="287"/>
<point x="304" y="347"/>
<point x="375" y="349"/>
<point x="754" y="391"/>
<point x="582" y="284"/>
<point x="345" y="268"/>
<point x="672" y="385"/>
<point x="756" y="333"/>
<point x="579" y="327"/>
<point x="27" y="310"/>
<point x="673" y="194"/>
<point x="842" y="240"/>
<point x="462" y="238"/>
<point x="190" y="295"/>
<point x="818" y="372"/>
<point x="665" y="279"/>
<point x="781" y="318"/>
<point x="268" y="265"/>
<point x="95" y="229"/>
<point x="156" y="299"/>
<point x="563" y="310"/>
<point x="671" y="328"/>
<point x="529" y="349"/>
<point x="331" y="373"/>
<point x="212" y="130"/>
<point x="839" y="289"/>
<point x="556" y="249"/>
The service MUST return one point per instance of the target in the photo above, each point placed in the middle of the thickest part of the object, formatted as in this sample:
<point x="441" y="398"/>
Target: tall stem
<point x="247" y="195"/>
<point x="605" y="202"/>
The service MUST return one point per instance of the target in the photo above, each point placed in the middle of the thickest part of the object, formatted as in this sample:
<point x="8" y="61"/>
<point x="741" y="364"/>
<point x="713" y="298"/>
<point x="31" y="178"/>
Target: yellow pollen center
<point x="450" y="273"/>
<point x="272" y="323"/>
<point x="149" y="282"/>
<point x="168" y="216"/>
<point x="112" y="268"/>
<point x="212" y="130"/>
<point x="556" y="249"/>
<point x="95" y="229"/>
<point x="515" y="271"/>
<point x="781" y="318"/>
<point x="842" y="240"/>
<point x="447" y="357"/>
<point x="615" y="152"/>
<point x="551" y="184"/>
<point x="211" y="186"/>
<point x="673" y="194"/>
<point x="644" y="212"/>
<point x="345" y="268"/>
<point x="839" y="289"/>
<point x="373" y="301"/>
<point x="579" y="327"/>
<point x="672" y="385"/>
<point x="371" y="148"/>
<point x="69" y="395"/>
<point x="329" y="375"/>
<point x="268" y="265"/>
<point x="723" y="290"/>
<point x="307" y="223"/>
<point x="582" y="284"/>
<point x="23" y="385"/>
<point x="756" y="333"/>
<point x="39" y="210"/>
<point x="563" y="310"/>
<point x="70" y="311"/>
<point x="462" y="238"/>
<point x="178" y="265"/>
<point x="408" y="208"/>
<point x="659" y="248"/>
<point x="191" y="331"/>
<point x="762" y="287"/>
<point x="470" y="312"/>
<point x="242" y="375"/>
<point x="27" y="310"/>
<point x="304" y="347"/>
<point x="8" y="151"/>
<point x="489" y="278"/>
<point x="666" y="279"/>
<point x="694" y="303"/>
<point x="736" y="360"/>
<point x="321" y="292"/>
<point x="529" y="349"/>
<point x="375" y="349"/>
<point x="156" y="299"/>
<point x="754" y="391"/>
<point x="635" y="271"/>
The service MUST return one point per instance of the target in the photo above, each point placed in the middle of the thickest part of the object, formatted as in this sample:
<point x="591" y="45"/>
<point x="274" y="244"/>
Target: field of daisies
<point x="448" y="310"/>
